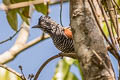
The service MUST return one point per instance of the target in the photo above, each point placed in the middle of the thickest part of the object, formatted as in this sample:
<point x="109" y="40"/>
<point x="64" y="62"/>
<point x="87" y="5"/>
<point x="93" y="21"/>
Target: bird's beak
<point x="36" y="26"/>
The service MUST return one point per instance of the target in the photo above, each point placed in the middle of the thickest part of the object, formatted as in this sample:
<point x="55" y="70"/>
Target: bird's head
<point x="46" y="24"/>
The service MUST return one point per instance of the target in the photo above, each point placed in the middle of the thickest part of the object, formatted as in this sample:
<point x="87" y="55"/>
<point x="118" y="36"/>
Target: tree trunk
<point x="89" y="43"/>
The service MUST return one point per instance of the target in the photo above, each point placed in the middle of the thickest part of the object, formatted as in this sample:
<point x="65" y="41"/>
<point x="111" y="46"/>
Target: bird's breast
<point x="64" y="44"/>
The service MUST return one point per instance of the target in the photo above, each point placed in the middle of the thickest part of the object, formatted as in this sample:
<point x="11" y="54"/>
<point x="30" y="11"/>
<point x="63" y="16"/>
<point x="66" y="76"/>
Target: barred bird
<point x="61" y="36"/>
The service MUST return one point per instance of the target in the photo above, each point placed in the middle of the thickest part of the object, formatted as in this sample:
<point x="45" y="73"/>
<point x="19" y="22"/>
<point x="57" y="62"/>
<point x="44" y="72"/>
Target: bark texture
<point x="89" y="43"/>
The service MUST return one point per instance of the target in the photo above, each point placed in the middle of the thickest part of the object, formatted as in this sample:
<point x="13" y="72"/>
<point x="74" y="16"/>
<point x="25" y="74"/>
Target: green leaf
<point x="71" y="76"/>
<point x="25" y="12"/>
<point x="61" y="71"/>
<point x="6" y="75"/>
<point x="41" y="8"/>
<point x="12" y="19"/>
<point x="6" y="2"/>
<point x="76" y="63"/>
<point x="68" y="60"/>
<point x="105" y="29"/>
<point x="24" y="18"/>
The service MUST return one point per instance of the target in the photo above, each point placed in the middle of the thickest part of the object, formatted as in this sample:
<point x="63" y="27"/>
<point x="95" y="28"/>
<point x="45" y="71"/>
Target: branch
<point x="12" y="71"/>
<point x="113" y="46"/>
<point x="110" y="9"/>
<point x="116" y="4"/>
<point x="20" y="41"/>
<point x="20" y="44"/>
<point x="103" y="62"/>
<point x="11" y="54"/>
<point x="107" y="24"/>
<point x="72" y="55"/>
<point x="10" y="38"/>
<point x="21" y="69"/>
<point x="24" y="4"/>
<point x="100" y="27"/>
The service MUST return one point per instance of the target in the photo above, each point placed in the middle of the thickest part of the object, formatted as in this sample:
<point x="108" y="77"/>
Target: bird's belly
<point x="65" y="45"/>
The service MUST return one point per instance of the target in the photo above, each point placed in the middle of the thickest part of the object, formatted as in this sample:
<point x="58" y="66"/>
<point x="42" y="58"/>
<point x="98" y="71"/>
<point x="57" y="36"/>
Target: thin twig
<point x="24" y="4"/>
<point x="12" y="71"/>
<point x="115" y="11"/>
<point x="113" y="1"/>
<point x="110" y="32"/>
<point x="21" y="40"/>
<point x="10" y="38"/>
<point x="94" y="7"/>
<point x="30" y="76"/>
<point x="118" y="17"/>
<point x="72" y="55"/>
<point x="107" y="24"/>
<point x="97" y="20"/>
<point x="10" y="55"/>
<point x="21" y="69"/>
<point x="116" y="4"/>
<point x="101" y="60"/>
<point x="119" y="74"/>
<point x="111" y="12"/>
<point x="112" y="28"/>
<point x="48" y="8"/>
<point x="117" y="25"/>
<point x="61" y="12"/>
<point x="20" y="5"/>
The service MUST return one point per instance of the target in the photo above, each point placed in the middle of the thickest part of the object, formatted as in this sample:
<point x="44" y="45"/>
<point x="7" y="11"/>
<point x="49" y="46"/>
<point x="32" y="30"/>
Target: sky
<point x="32" y="58"/>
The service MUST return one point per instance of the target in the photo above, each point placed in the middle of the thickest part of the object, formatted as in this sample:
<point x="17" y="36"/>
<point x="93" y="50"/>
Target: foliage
<point x="23" y="12"/>
<point x="12" y="19"/>
<point x="6" y="75"/>
<point x="62" y="71"/>
<point x="41" y="8"/>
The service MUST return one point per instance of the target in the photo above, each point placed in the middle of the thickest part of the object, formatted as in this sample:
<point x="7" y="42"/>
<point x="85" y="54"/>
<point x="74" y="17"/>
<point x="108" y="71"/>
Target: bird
<point x="62" y="37"/>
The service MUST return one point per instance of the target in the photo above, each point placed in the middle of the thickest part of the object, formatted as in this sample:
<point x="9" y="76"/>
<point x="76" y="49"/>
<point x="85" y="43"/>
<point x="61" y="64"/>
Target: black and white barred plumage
<point x="60" y="39"/>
